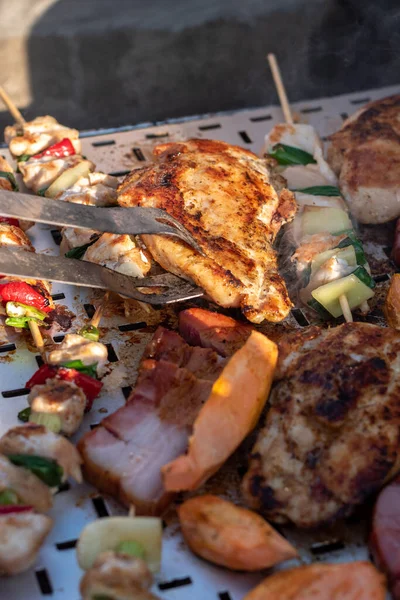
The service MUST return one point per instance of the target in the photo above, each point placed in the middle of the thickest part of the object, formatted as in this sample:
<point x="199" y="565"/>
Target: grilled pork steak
<point x="332" y="434"/>
<point x="223" y="195"/>
<point x="124" y="455"/>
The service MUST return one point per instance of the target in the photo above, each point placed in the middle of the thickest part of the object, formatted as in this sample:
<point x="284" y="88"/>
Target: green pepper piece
<point x="78" y="365"/>
<point x="320" y="190"/>
<point x="24" y="414"/>
<point x="8" y="496"/>
<point x="21" y="322"/>
<point x="79" y="251"/>
<point x="352" y="240"/>
<point x="364" y="276"/>
<point x="11" y="179"/>
<point x="90" y="332"/>
<point x="288" y="155"/>
<point x="315" y="305"/>
<point x="132" y="548"/>
<point x="48" y="470"/>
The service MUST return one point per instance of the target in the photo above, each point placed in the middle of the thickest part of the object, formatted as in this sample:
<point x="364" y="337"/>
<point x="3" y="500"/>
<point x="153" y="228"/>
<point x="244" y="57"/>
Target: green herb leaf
<point x="364" y="276"/>
<point x="79" y="251"/>
<point x="288" y="155"/>
<point x="352" y="240"/>
<point x="320" y="190"/>
<point x="78" y="365"/>
<point x="48" y="470"/>
<point x="42" y="192"/>
<point x="24" y="414"/>
<point x="11" y="179"/>
<point x="132" y="548"/>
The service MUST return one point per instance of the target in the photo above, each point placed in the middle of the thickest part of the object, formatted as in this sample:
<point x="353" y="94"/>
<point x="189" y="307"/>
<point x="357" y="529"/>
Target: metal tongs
<point x="163" y="288"/>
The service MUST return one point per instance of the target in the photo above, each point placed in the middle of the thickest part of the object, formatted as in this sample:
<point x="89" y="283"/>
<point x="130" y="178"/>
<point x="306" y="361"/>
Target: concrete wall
<point x="103" y="63"/>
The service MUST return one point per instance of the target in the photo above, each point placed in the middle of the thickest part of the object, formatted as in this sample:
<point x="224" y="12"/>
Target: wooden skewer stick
<point x="287" y="113"/>
<point x="100" y="310"/>
<point x="280" y="88"/>
<point x="37" y="336"/>
<point x="11" y="106"/>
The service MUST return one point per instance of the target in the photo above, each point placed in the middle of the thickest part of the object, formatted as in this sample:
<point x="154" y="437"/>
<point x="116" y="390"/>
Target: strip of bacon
<point x="124" y="455"/>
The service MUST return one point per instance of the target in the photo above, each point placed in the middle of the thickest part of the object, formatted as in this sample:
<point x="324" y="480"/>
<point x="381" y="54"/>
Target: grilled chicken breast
<point x="365" y="153"/>
<point x="222" y="194"/>
<point x="332" y="434"/>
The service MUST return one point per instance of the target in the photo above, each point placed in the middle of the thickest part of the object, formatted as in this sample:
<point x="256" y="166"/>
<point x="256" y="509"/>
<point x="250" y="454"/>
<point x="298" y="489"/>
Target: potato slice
<point x="230" y="536"/>
<point x="107" y="533"/>
<point x="392" y="303"/>
<point x="68" y="178"/>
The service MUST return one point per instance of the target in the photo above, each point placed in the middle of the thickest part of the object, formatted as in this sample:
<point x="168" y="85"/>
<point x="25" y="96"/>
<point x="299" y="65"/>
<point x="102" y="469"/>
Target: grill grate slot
<point x="100" y="507"/>
<point x="44" y="582"/>
<point x="175" y="583"/>
<point x="261" y="118"/>
<point x="56" y="235"/>
<point x="69" y="545"/>
<point x="15" y="393"/>
<point x="132" y="326"/>
<point x="139" y="154"/>
<point x="7" y="348"/>
<point x="245" y="137"/>
<point x="103" y="143"/>
<point x="209" y="127"/>
<point x="59" y="296"/>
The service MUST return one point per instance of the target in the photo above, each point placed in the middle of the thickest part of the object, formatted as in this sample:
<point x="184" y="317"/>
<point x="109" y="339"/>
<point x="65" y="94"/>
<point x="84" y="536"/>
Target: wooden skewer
<point x="280" y="88"/>
<point x="287" y="113"/>
<point x="100" y="310"/>
<point x="37" y="336"/>
<point x="11" y="107"/>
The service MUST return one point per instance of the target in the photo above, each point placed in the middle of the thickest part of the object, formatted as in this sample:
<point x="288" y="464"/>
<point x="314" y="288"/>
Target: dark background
<point x="105" y="63"/>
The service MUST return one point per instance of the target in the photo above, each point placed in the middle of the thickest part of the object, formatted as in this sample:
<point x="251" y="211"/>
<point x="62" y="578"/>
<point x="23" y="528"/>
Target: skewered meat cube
<point x="331" y="436"/>
<point x="76" y="347"/>
<point x="5" y="183"/>
<point x="62" y="398"/>
<point x="222" y="194"/>
<point x="33" y="136"/>
<point x="120" y="253"/>
<point x="21" y="535"/>
<point x="75" y="238"/>
<point x="97" y="189"/>
<point x="38" y="174"/>
<point x="38" y="441"/>
<point x="117" y="576"/>
<point x="365" y="153"/>
<point x="29" y="489"/>
<point x="15" y="237"/>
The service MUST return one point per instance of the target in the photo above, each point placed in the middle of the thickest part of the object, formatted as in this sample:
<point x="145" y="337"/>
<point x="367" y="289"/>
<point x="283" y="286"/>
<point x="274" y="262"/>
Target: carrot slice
<point x="349" y="581"/>
<point x="231" y="536"/>
<point x="230" y="413"/>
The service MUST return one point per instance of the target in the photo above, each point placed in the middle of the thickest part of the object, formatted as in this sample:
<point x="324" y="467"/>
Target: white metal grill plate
<point x="56" y="574"/>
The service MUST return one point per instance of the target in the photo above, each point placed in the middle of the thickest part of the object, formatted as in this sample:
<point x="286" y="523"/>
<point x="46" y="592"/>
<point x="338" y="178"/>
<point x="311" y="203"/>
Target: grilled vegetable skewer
<point x="334" y="277"/>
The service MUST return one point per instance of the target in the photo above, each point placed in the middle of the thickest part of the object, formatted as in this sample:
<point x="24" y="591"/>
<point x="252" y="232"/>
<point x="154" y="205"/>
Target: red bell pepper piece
<point x="19" y="291"/>
<point x="14" y="508"/>
<point x="58" y="150"/>
<point x="9" y="221"/>
<point x="91" y="387"/>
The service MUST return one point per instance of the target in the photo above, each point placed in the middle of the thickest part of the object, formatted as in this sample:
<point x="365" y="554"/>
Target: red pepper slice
<point x="9" y="221"/>
<point x="19" y="291"/>
<point x="14" y="508"/>
<point x="59" y="150"/>
<point x="91" y="387"/>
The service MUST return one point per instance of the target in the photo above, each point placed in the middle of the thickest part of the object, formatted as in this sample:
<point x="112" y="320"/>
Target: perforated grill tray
<point x="56" y="573"/>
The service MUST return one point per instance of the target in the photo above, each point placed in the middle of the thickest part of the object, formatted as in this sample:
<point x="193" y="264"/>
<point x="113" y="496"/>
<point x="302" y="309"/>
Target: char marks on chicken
<point x="332" y="434"/>
<point x="124" y="455"/>
<point x="223" y="195"/>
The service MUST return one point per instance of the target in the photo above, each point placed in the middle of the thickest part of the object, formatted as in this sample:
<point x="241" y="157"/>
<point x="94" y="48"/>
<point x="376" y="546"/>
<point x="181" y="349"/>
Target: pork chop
<point x="223" y="195"/>
<point x="332" y="434"/>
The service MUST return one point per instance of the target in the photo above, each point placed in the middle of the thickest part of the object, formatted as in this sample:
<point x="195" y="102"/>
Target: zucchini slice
<point x="317" y="219"/>
<point x="68" y="178"/>
<point x="355" y="290"/>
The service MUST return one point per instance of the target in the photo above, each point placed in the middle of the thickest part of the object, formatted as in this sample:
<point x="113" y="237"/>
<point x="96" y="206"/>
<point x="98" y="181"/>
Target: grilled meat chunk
<point x="97" y="189"/>
<point x="365" y="153"/>
<point x="223" y="334"/>
<point x="33" y="136"/>
<point x="15" y="237"/>
<point x="124" y="455"/>
<point x="21" y="535"/>
<point x="222" y="194"/>
<point x="120" y="253"/>
<point x="29" y="489"/>
<point x="37" y="440"/>
<point x="39" y="173"/>
<point x="332" y="434"/>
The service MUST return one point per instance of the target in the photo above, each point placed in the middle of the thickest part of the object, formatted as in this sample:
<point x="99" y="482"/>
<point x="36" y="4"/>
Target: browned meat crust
<point x="332" y="435"/>
<point x="223" y="196"/>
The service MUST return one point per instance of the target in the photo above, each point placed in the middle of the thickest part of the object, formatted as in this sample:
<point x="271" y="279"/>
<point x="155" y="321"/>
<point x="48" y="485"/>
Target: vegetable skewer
<point x="334" y="274"/>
